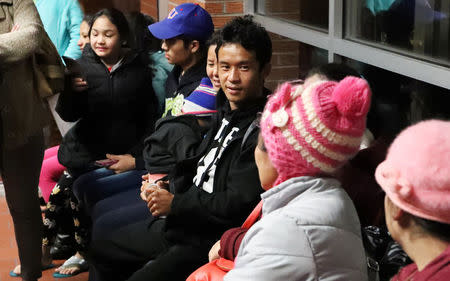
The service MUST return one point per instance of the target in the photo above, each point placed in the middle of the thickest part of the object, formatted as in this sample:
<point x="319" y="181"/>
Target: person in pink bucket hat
<point x="416" y="179"/>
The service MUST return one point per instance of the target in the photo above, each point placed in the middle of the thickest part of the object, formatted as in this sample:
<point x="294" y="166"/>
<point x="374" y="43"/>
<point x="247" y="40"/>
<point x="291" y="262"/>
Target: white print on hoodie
<point x="207" y="165"/>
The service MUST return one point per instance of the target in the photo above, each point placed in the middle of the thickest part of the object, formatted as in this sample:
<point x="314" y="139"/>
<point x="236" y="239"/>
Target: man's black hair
<point x="333" y="71"/>
<point x="202" y="50"/>
<point x="215" y="38"/>
<point x="250" y="35"/>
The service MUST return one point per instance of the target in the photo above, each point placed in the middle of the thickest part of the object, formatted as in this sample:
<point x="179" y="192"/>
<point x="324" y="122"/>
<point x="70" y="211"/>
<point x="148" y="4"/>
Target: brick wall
<point x="285" y="61"/>
<point x="92" y="6"/>
<point x="220" y="10"/>
<point x="150" y="7"/>
<point x="127" y="5"/>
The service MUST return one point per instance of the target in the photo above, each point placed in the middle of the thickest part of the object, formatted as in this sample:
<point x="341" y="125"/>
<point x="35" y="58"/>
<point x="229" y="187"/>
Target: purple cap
<point x="186" y="19"/>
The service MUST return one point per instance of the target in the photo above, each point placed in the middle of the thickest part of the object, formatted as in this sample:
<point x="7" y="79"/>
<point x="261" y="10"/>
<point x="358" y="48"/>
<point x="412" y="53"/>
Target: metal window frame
<point x="336" y="44"/>
<point x="163" y="9"/>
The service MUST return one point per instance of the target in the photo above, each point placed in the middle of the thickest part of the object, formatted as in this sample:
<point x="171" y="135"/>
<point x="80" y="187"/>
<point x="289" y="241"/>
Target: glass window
<point x="292" y="59"/>
<point x="313" y="13"/>
<point x="399" y="101"/>
<point x="419" y="27"/>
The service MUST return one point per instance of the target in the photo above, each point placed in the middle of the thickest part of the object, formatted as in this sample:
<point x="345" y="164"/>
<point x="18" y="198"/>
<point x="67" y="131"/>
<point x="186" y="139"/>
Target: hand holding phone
<point x="72" y="66"/>
<point x="105" y="162"/>
<point x="75" y="71"/>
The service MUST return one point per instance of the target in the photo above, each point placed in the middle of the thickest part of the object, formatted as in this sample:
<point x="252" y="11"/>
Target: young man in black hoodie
<point x="210" y="192"/>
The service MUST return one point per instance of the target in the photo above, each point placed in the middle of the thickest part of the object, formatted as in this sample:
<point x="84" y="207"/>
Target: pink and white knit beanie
<point x="315" y="130"/>
<point x="416" y="172"/>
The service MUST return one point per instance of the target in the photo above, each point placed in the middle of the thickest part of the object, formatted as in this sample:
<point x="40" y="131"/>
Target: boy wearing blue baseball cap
<point x="184" y="33"/>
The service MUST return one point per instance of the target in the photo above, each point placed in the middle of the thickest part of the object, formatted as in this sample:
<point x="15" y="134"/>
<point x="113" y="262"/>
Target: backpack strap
<point x="249" y="130"/>
<point x="254" y="216"/>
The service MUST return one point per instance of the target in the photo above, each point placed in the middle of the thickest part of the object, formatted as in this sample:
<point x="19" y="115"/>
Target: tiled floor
<point x="8" y="250"/>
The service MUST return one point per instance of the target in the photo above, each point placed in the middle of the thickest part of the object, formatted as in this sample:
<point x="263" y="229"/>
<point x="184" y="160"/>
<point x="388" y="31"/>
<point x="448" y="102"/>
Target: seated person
<point x="184" y="33"/>
<point x="113" y="102"/>
<point x="416" y="179"/>
<point x="171" y="143"/>
<point x="308" y="221"/>
<point x="214" y="190"/>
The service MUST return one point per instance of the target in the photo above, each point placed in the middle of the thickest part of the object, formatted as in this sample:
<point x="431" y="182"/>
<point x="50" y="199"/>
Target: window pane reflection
<point x="399" y="101"/>
<point x="314" y="13"/>
<point x="420" y="27"/>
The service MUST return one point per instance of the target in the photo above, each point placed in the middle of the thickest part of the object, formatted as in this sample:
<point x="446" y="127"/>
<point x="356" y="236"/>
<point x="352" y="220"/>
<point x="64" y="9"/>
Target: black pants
<point x="64" y="213"/>
<point x="138" y="252"/>
<point x="20" y="172"/>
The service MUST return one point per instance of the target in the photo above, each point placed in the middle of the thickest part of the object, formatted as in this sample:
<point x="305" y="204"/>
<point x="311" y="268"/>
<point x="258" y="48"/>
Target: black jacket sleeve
<point x="150" y="110"/>
<point x="238" y="192"/>
<point x="71" y="105"/>
<point x="172" y="142"/>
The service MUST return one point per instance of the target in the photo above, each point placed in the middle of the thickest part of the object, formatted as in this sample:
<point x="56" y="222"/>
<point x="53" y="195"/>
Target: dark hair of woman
<point x="142" y="38"/>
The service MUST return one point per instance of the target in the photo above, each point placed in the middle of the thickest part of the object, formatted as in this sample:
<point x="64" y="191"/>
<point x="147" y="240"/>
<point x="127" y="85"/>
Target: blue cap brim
<point x="162" y="30"/>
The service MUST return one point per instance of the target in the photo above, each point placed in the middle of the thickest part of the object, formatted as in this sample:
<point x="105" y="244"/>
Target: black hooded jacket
<point x="200" y="215"/>
<point x="115" y="113"/>
<point x="175" y="139"/>
<point x="180" y="86"/>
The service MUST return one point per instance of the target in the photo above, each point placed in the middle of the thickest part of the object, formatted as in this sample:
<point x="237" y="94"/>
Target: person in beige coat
<point x="22" y="117"/>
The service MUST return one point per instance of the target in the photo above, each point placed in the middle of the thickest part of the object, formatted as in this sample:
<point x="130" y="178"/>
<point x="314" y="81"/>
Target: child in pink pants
<point x="51" y="171"/>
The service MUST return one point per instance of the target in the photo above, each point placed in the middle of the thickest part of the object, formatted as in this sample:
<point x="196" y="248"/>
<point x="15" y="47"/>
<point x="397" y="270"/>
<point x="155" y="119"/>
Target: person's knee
<point x="86" y="184"/>
<point x="82" y="185"/>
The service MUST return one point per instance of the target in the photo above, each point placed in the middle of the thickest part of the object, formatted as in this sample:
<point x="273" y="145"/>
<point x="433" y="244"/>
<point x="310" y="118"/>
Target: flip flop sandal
<point x="49" y="266"/>
<point x="73" y="262"/>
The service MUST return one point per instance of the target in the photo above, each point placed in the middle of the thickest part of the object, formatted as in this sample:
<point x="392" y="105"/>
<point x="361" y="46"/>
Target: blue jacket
<point x="62" y="19"/>
<point x="161" y="69"/>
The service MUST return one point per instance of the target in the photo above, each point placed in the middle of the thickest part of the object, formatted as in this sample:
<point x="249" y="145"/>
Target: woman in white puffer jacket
<point x="309" y="228"/>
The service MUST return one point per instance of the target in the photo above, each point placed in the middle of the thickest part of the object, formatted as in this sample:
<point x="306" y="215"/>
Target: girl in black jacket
<point x="112" y="100"/>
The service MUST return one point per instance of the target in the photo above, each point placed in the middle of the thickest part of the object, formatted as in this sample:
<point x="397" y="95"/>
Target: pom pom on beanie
<point x="352" y="97"/>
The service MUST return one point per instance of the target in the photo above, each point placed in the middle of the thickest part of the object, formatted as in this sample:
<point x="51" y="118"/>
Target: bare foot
<point x="68" y="270"/>
<point x="16" y="270"/>
<point x="73" y="266"/>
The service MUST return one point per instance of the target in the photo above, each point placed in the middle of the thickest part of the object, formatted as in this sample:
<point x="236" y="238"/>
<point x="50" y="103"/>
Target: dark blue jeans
<point x="99" y="184"/>
<point x="118" y="211"/>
